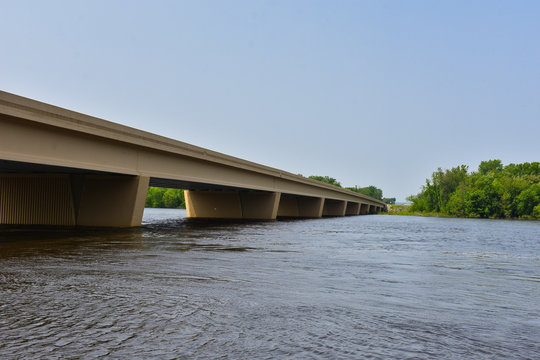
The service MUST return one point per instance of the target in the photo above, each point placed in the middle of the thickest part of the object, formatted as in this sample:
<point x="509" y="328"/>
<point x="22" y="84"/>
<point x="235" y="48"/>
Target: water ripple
<point x="376" y="287"/>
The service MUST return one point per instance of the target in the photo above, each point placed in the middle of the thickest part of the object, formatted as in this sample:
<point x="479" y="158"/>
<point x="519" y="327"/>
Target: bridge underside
<point x="36" y="194"/>
<point x="72" y="199"/>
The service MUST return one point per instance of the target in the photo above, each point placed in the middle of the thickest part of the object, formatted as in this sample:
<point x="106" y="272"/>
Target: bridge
<point x="60" y="167"/>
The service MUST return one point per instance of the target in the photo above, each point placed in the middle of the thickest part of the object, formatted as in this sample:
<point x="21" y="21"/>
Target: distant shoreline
<point x="404" y="210"/>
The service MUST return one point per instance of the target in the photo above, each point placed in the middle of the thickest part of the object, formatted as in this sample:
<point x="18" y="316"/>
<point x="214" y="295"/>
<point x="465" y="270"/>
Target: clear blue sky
<point x="369" y="92"/>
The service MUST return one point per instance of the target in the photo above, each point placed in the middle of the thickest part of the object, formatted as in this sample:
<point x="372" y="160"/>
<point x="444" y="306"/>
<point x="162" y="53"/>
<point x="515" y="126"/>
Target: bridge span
<point x="60" y="167"/>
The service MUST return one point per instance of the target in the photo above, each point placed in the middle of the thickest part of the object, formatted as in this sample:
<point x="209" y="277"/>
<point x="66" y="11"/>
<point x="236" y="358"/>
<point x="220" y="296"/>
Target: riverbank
<point x="405" y="211"/>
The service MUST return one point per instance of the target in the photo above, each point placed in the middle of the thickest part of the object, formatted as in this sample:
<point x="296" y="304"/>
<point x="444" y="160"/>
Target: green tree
<point x="437" y="191"/>
<point x="173" y="198"/>
<point x="165" y="198"/>
<point x="509" y="187"/>
<point x="326" y="179"/>
<point x="495" y="191"/>
<point x="476" y="203"/>
<point x="523" y="169"/>
<point x="371" y="191"/>
<point x="528" y="200"/>
<point x="448" y="183"/>
<point x="427" y="200"/>
<point x="483" y="200"/>
<point x="154" y="197"/>
<point x="490" y="166"/>
<point x="536" y="211"/>
<point x="456" y="204"/>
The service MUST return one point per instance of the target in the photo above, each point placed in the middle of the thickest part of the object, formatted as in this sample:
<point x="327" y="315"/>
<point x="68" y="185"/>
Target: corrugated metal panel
<point x="36" y="200"/>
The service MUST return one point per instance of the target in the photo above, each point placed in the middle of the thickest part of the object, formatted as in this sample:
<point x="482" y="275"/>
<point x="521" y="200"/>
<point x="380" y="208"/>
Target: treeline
<point x="165" y="198"/>
<point x="494" y="191"/>
<point x="371" y="191"/>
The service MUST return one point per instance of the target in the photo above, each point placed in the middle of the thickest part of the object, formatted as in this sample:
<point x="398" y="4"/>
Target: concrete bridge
<point x="60" y="167"/>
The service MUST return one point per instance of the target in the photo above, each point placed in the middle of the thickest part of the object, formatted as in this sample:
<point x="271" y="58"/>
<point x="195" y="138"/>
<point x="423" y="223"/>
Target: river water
<point x="375" y="286"/>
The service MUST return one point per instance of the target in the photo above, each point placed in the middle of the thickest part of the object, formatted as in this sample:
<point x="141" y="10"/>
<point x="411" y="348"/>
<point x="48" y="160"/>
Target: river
<point x="375" y="286"/>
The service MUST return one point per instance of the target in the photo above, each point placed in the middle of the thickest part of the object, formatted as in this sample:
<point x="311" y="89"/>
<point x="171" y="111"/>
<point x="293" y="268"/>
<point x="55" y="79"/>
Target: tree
<point x="165" y="198"/>
<point x="437" y="191"/>
<point x="326" y="179"/>
<point x="173" y="198"/>
<point x="371" y="191"/>
<point x="448" y="184"/>
<point x="523" y="169"/>
<point x="509" y="188"/>
<point x="490" y="166"/>
<point x="495" y="191"/>
<point x="528" y="200"/>
<point x="456" y="203"/>
<point x="154" y="197"/>
<point x="483" y="200"/>
<point x="390" y="201"/>
<point x="476" y="204"/>
<point x="536" y="211"/>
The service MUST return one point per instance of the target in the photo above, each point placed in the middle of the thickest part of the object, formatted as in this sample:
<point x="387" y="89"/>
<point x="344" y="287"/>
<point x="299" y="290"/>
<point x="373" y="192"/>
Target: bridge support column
<point x="288" y="206"/>
<point x="334" y="207"/>
<point x="353" y="208"/>
<point x="109" y="200"/>
<point x="364" y="209"/>
<point x="310" y="207"/>
<point x="253" y="205"/>
<point x="69" y="200"/>
<point x="259" y="205"/>
<point x="300" y="206"/>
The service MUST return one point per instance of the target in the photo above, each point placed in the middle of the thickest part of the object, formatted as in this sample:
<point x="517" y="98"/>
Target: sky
<point x="368" y="92"/>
